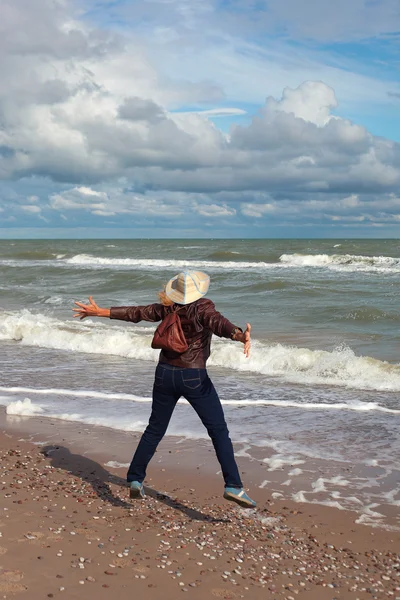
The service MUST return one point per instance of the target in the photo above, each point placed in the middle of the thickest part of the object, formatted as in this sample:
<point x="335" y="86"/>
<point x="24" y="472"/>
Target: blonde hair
<point x="164" y="298"/>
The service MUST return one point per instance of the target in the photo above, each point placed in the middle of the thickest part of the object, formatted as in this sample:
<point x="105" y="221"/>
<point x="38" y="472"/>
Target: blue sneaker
<point x="136" y="490"/>
<point x="239" y="496"/>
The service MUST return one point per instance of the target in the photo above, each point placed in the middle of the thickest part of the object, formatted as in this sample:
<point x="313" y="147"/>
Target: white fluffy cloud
<point x="80" y="105"/>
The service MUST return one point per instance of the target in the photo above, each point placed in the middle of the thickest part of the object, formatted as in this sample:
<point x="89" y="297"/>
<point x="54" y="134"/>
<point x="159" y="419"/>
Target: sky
<point x="199" y="118"/>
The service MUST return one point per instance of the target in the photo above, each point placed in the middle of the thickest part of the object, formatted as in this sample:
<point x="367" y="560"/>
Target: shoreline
<point x="308" y="483"/>
<point x="67" y="513"/>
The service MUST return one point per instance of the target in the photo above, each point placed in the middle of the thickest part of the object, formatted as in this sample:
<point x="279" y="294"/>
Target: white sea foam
<point x="337" y="262"/>
<point x="24" y="408"/>
<point x="279" y="460"/>
<point x="74" y="394"/>
<point x="87" y="260"/>
<point x="264" y="483"/>
<point x="319" y="484"/>
<point x="56" y="392"/>
<point x="121" y="424"/>
<point x="343" y="262"/>
<point x="295" y="472"/>
<point x="301" y="497"/>
<point x="54" y="300"/>
<point x="341" y="367"/>
<point x="114" y="464"/>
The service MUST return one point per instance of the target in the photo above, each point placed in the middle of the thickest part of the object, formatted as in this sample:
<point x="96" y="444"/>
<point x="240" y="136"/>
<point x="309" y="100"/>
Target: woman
<point x="183" y="374"/>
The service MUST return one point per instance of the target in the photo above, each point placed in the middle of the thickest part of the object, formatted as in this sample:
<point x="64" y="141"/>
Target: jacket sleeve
<point x="211" y="319"/>
<point x="151" y="312"/>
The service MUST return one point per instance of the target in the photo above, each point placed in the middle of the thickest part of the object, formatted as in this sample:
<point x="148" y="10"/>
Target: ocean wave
<point x="368" y="314"/>
<point x="34" y="255"/>
<point x="344" y="262"/>
<point x="87" y="260"/>
<point x="24" y="408"/>
<point x="55" y="392"/>
<point x="220" y="261"/>
<point x="56" y="300"/>
<point x="221" y="254"/>
<point x="340" y="367"/>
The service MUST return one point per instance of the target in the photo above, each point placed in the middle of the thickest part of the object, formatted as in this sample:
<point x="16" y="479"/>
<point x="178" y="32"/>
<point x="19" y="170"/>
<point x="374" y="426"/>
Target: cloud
<point x="114" y="134"/>
<point x="139" y="109"/>
<point x="213" y="210"/>
<point x="113" y="202"/>
<point x="257" y="210"/>
<point x="31" y="208"/>
<point x="79" y="198"/>
<point x="293" y="143"/>
<point x="313" y="101"/>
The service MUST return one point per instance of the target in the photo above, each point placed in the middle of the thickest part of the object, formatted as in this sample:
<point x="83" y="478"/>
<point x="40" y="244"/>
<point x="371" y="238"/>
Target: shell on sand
<point x="3" y="550"/>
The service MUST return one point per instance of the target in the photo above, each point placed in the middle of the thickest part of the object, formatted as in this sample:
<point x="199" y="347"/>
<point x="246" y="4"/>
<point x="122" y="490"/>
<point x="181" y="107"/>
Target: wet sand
<point x="69" y="530"/>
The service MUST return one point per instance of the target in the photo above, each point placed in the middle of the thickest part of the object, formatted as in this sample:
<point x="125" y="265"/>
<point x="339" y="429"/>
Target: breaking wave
<point x="220" y="261"/>
<point x="349" y="262"/>
<point x="340" y="367"/>
<point x="86" y="260"/>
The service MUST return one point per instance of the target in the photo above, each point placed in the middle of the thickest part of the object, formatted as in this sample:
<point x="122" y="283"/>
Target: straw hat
<point x="187" y="287"/>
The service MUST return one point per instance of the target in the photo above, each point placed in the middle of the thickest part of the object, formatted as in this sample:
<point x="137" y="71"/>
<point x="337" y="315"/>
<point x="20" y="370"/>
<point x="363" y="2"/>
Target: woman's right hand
<point x="90" y="310"/>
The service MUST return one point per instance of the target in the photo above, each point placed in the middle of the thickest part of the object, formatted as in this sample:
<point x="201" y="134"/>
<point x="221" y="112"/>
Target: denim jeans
<point x="195" y="385"/>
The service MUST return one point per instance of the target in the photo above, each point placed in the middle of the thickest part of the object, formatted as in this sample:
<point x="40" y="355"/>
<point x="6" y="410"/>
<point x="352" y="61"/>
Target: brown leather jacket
<point x="199" y="321"/>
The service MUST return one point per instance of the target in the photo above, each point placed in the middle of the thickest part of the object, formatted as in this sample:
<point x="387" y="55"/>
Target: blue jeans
<point x="195" y="385"/>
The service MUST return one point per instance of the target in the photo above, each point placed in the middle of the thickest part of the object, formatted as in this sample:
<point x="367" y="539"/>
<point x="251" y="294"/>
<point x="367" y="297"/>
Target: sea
<point x="316" y="404"/>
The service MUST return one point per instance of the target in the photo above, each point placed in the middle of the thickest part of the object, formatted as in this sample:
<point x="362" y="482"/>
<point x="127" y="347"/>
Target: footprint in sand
<point x="223" y="593"/>
<point x="126" y="562"/>
<point x="141" y="569"/>
<point x="33" y="537"/>
<point x="9" y="582"/>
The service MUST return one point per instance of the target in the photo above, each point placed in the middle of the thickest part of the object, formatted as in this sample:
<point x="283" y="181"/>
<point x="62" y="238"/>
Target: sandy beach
<point x="68" y="529"/>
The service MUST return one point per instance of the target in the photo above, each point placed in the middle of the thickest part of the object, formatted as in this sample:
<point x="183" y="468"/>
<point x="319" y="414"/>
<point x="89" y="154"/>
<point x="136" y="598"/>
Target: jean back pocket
<point x="191" y="378"/>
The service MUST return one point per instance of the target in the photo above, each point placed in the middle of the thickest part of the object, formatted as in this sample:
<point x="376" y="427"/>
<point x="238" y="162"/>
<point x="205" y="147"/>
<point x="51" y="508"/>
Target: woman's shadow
<point x="99" y="479"/>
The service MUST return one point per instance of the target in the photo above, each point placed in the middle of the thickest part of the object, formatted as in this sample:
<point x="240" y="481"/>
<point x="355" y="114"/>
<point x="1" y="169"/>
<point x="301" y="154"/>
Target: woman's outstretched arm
<point x="221" y="326"/>
<point x="152" y="312"/>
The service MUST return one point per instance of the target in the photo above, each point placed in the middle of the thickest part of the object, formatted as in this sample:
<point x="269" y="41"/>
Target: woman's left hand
<point x="90" y="310"/>
<point x="247" y="340"/>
